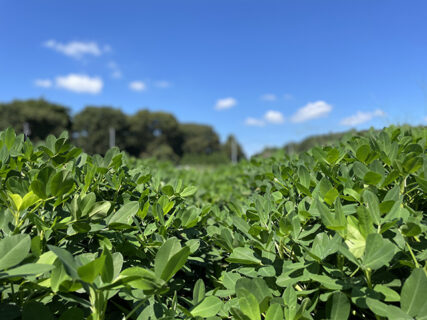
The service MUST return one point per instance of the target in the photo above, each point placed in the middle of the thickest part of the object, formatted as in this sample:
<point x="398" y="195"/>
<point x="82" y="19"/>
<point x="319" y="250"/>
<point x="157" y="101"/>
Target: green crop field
<point x="337" y="232"/>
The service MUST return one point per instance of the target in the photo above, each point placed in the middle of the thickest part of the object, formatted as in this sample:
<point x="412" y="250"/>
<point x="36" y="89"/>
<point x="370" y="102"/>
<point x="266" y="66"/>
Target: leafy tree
<point x="148" y="129"/>
<point x="91" y="128"/>
<point x="161" y="152"/>
<point x="139" y="133"/>
<point x="43" y="117"/>
<point x="165" y="129"/>
<point x="199" y="139"/>
<point x="212" y="159"/>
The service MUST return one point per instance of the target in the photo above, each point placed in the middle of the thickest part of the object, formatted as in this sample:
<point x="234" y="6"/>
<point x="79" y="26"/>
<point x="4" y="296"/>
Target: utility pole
<point x="27" y="130"/>
<point x="233" y="150"/>
<point x="112" y="137"/>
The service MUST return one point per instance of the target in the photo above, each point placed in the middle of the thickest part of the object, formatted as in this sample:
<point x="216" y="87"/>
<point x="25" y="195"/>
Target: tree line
<point x="143" y="134"/>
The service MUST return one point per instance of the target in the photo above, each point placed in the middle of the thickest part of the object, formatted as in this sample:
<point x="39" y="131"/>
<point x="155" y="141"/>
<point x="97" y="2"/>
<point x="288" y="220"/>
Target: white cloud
<point x="271" y="116"/>
<point x="116" y="73"/>
<point x="137" y="86"/>
<point x="162" y="84"/>
<point x="361" y="117"/>
<point x="288" y="96"/>
<point x="254" y="122"/>
<point x="80" y="83"/>
<point x="77" y="49"/>
<point x="425" y="119"/>
<point x="312" y="110"/>
<point x="226" y="103"/>
<point x="269" y="97"/>
<point x="43" y="83"/>
<point x="275" y="117"/>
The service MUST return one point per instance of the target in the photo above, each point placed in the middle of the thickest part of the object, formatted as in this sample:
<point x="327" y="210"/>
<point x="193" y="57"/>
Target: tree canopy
<point x="143" y="134"/>
<point x="91" y="128"/>
<point x="42" y="117"/>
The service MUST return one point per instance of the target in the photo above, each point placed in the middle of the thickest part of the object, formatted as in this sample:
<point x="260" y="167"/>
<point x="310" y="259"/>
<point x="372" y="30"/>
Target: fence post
<point x="112" y="137"/>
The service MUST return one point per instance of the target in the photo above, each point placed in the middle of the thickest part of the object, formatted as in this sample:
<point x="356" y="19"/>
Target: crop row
<point x="333" y="233"/>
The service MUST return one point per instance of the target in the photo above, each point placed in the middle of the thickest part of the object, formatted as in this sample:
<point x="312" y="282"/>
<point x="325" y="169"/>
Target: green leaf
<point x="188" y="191"/>
<point x="67" y="259"/>
<point x="166" y="251"/>
<point x="412" y="163"/>
<point x="198" y="291"/>
<point x="258" y="287"/>
<point x="142" y="279"/>
<point x="378" y="251"/>
<point x="354" y="240"/>
<point x="9" y="137"/>
<point x="125" y="214"/>
<point x="249" y="305"/>
<point x="29" y="199"/>
<point x="384" y="310"/>
<point x="389" y="294"/>
<point x="338" y="307"/>
<point x="331" y="195"/>
<point x="16" y="200"/>
<point x="414" y="293"/>
<point x="87" y="203"/>
<point x="209" y="307"/>
<point x="243" y="256"/>
<point x="330" y="220"/>
<point x="373" y="205"/>
<point x="13" y="250"/>
<point x="107" y="274"/>
<point x="411" y="229"/>
<point x="29" y="269"/>
<point x="100" y="209"/>
<point x="175" y="263"/>
<point x="91" y="270"/>
<point x="363" y="152"/>
<point x="39" y="188"/>
<point x="274" y="312"/>
<point x="58" y="275"/>
<point x="323" y="246"/>
<point x="290" y="297"/>
<point x="304" y="176"/>
<point x="168" y="190"/>
<point x="372" y="178"/>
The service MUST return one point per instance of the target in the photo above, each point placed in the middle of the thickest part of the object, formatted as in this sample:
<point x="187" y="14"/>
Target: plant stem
<point x="368" y="278"/>
<point x="412" y="254"/>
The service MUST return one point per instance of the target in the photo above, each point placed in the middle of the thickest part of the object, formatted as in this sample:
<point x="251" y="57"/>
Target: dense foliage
<point x="312" y="141"/>
<point x="143" y="134"/>
<point x="336" y="232"/>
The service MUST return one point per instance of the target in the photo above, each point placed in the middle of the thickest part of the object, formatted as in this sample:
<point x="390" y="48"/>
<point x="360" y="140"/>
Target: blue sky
<point x="267" y="71"/>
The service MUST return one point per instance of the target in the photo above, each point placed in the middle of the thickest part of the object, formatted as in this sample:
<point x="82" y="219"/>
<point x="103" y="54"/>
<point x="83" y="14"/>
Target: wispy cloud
<point x="137" y="86"/>
<point x="269" y="97"/>
<point x="43" y="83"/>
<point x="312" y="110"/>
<point x="225" y="103"/>
<point x="162" y="84"/>
<point x="361" y="117"/>
<point x="254" y="122"/>
<point x="288" y="96"/>
<point x="80" y="83"/>
<point x="271" y="116"/>
<point x="77" y="49"/>
<point x="116" y="73"/>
